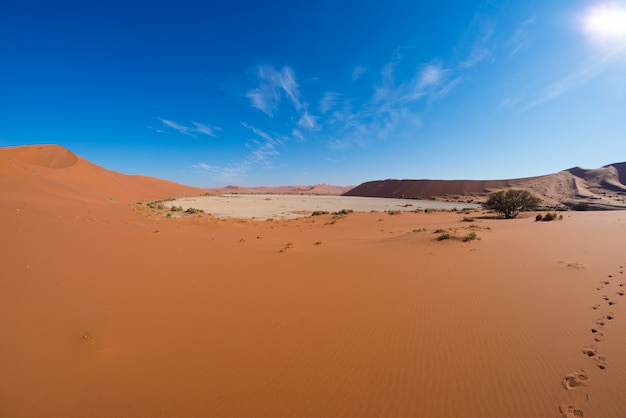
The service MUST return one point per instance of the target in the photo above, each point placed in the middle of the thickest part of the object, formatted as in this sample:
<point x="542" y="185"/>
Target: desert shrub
<point x="470" y="237"/>
<point x="439" y="231"/>
<point x="428" y="210"/>
<point x="176" y="208"/>
<point x="169" y="215"/>
<point x="581" y="206"/>
<point x="156" y="204"/>
<point x="560" y="217"/>
<point x="394" y="212"/>
<point x="539" y="217"/>
<point x="549" y="216"/>
<point x="344" y="212"/>
<point x="319" y="212"/>
<point x="468" y="219"/>
<point x="510" y="203"/>
<point x="445" y="235"/>
<point x="194" y="210"/>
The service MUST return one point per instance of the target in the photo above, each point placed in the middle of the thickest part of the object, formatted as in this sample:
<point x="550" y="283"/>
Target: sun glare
<point x="608" y="21"/>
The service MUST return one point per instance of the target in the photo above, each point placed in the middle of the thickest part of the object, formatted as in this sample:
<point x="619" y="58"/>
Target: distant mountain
<point x="320" y="189"/>
<point x="601" y="188"/>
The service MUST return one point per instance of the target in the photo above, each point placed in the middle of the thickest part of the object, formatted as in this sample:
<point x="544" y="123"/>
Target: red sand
<point x="108" y="310"/>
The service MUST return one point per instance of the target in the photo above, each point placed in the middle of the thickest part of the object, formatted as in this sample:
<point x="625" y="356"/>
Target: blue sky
<point x="211" y="93"/>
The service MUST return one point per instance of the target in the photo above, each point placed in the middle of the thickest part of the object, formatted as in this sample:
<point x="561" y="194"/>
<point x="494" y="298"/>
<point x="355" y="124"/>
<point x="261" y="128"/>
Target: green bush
<point x="581" y="206"/>
<point x="470" y="237"/>
<point x="539" y="217"/>
<point x="510" y="203"/>
<point x="344" y="212"/>
<point x="549" y="217"/>
<point x="194" y="210"/>
<point x="319" y="212"/>
<point x="445" y="235"/>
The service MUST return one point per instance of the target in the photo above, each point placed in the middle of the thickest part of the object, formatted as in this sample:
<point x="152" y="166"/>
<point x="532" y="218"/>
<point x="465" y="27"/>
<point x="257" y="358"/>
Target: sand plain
<point x="108" y="308"/>
<point x="278" y="206"/>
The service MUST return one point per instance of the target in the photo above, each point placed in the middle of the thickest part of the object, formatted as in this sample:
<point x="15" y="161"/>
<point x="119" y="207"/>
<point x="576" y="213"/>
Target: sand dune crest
<point x="50" y="156"/>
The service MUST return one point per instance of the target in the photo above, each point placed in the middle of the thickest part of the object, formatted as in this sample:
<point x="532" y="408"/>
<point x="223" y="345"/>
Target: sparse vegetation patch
<point x="470" y="237"/>
<point x="194" y="210"/>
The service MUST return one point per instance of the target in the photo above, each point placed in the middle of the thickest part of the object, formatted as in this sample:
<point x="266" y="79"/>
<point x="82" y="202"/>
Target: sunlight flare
<point x="607" y="22"/>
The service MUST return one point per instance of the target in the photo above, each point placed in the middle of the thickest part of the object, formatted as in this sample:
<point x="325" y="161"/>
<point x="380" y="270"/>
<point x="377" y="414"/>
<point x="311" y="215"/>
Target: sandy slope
<point x="107" y="310"/>
<point x="602" y="188"/>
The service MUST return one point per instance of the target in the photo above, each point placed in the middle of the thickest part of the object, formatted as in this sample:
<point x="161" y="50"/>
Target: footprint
<point x="612" y="302"/>
<point x="574" y="380"/>
<point x="600" y="322"/>
<point x="610" y="316"/>
<point x="601" y="360"/>
<point x="621" y="293"/>
<point x="595" y="307"/>
<point x="605" y="297"/>
<point x="568" y="411"/>
<point x="87" y="338"/>
<point x="590" y="350"/>
<point x="605" y="282"/>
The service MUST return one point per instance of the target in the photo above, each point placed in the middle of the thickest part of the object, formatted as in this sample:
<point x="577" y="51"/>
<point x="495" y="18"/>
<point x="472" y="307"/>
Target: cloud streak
<point x="191" y="130"/>
<point x="273" y="84"/>
<point x="589" y="70"/>
<point x="262" y="148"/>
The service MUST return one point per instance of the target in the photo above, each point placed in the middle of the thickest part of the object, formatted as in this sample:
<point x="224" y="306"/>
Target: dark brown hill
<point x="602" y="188"/>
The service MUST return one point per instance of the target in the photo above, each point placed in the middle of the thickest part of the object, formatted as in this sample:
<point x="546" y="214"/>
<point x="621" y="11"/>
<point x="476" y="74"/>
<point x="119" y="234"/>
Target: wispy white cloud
<point x="476" y="41"/>
<point x="587" y="71"/>
<point x="262" y="148"/>
<point x="307" y="120"/>
<point x="508" y="102"/>
<point x="228" y="174"/>
<point x="431" y="79"/>
<point x="329" y="101"/>
<point x="520" y="39"/>
<point x="190" y="130"/>
<point x="297" y="134"/>
<point x="272" y="84"/>
<point x="357" y="72"/>
<point x="270" y="139"/>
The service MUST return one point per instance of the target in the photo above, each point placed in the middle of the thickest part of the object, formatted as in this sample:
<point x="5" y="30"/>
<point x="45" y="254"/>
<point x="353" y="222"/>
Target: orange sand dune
<point x="602" y="188"/>
<point x="110" y="310"/>
<point x="52" y="173"/>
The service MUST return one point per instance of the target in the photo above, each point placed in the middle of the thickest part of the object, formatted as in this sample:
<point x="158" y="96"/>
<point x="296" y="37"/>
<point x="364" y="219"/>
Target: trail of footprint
<point x="575" y="380"/>
<point x="601" y="360"/>
<point x="590" y="350"/>
<point x="568" y="411"/>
